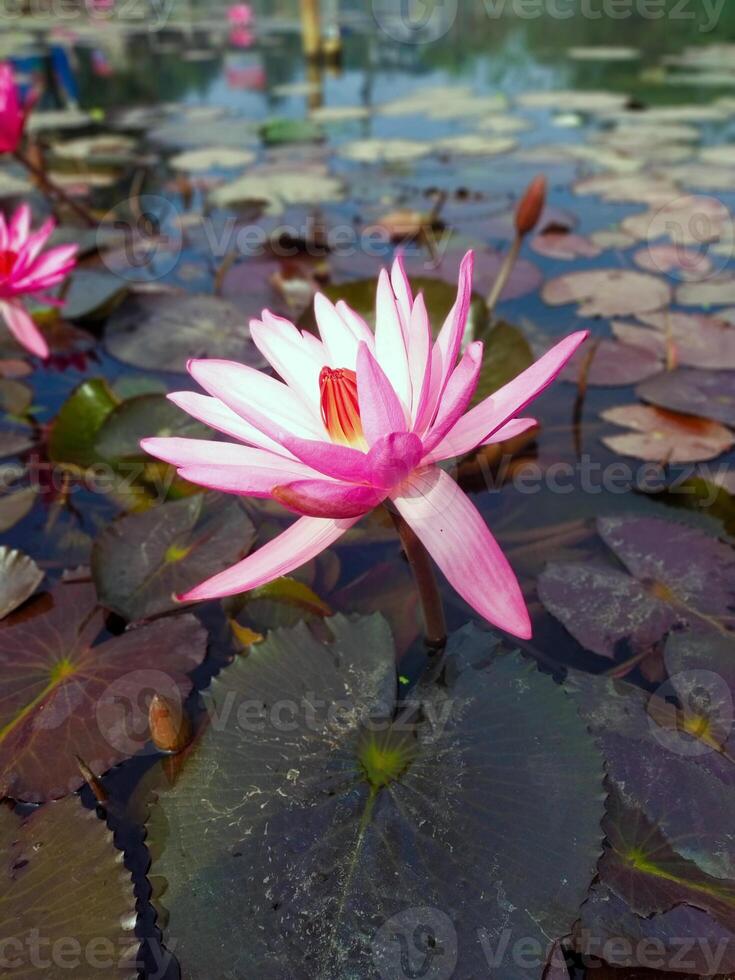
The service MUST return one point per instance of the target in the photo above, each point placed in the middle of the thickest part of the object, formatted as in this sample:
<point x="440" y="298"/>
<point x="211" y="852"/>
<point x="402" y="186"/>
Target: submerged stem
<point x="423" y="573"/>
<point x="504" y="275"/>
<point x="54" y="190"/>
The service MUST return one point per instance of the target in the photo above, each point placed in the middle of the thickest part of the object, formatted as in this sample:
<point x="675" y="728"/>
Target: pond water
<point x="190" y="85"/>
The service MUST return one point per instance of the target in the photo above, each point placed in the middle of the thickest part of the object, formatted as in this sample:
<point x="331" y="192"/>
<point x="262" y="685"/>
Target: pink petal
<point x="23" y="328"/>
<point x="393" y="457"/>
<point x="271" y="406"/>
<point x="380" y="410"/>
<point x="390" y="348"/>
<point x="3" y="225"/>
<point x="511" y="430"/>
<point x="339" y="340"/>
<point x="20" y="225"/>
<point x="300" y="543"/>
<point x="457" y="395"/>
<point x="456" y="536"/>
<point x="281" y="343"/>
<point x="215" y="414"/>
<point x="448" y="343"/>
<point x="49" y="269"/>
<point x="404" y="297"/>
<point x="484" y="419"/>
<point x="33" y="245"/>
<point x="419" y="357"/>
<point x="356" y="324"/>
<point x="206" y="453"/>
<point x="331" y="459"/>
<point x="319" y="498"/>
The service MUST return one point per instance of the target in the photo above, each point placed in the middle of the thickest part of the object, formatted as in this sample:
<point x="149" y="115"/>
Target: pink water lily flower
<point x="25" y="271"/>
<point x="12" y="112"/>
<point x="359" y="418"/>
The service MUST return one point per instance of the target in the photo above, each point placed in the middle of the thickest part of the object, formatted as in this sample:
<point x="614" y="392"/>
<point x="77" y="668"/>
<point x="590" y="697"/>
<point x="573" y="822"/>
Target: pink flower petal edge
<point x="357" y="419"/>
<point x="25" y="270"/>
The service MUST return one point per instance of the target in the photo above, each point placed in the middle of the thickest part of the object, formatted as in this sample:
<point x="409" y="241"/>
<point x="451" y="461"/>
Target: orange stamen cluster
<point x="340" y="407"/>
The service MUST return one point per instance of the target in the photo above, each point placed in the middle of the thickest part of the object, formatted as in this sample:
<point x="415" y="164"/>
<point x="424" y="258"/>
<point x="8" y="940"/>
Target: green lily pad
<point x="15" y="506"/>
<point x="140" y="417"/>
<point x="92" y="295"/>
<point x="327" y="836"/>
<point x="67" y="904"/>
<point x="140" y="561"/>
<point x="20" y="576"/>
<point x="63" y="695"/>
<point x="507" y="354"/>
<point x="162" y="331"/>
<point x="276" y="131"/>
<point x="74" y="431"/>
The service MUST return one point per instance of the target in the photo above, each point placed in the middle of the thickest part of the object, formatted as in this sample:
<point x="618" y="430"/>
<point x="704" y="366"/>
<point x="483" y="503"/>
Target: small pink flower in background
<point x="240" y="14"/>
<point x="13" y="113"/>
<point x="358" y="418"/>
<point x="25" y="271"/>
<point x="241" y="37"/>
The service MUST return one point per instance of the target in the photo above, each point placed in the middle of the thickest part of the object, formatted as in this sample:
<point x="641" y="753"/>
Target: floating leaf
<point x="140" y="561"/>
<point x="92" y="294"/>
<point x="605" y="610"/>
<point x="74" y="431"/>
<point x="278" y="189"/>
<point x="15" y="397"/>
<point x="385" y="150"/>
<point x="573" y="101"/>
<point x="64" y="697"/>
<point x="475" y="144"/>
<point x="14" y="441"/>
<point x="711" y="292"/>
<point x="685" y="220"/>
<point x="608" y="292"/>
<point x="212" y="158"/>
<point x="708" y="394"/>
<point x="20" y="576"/>
<point x="277" y="131"/>
<point x="507" y="354"/>
<point x="67" y="903"/>
<point x="332" y="801"/>
<point x="687" y="263"/>
<point x="162" y="331"/>
<point x="15" y="506"/>
<point x="613" y="364"/>
<point x="680" y="576"/>
<point x="140" y="417"/>
<point x="691" y="340"/>
<point x="564" y="245"/>
<point x="662" y="436"/>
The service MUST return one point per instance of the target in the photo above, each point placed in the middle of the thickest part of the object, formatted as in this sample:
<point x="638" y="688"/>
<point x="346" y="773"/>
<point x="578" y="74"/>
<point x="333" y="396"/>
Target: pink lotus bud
<point x="12" y="114"/>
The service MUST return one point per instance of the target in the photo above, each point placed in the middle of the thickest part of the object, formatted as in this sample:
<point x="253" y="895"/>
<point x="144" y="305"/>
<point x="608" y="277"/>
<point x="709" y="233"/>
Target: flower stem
<point x="423" y="573"/>
<point x="49" y="187"/>
<point x="504" y="275"/>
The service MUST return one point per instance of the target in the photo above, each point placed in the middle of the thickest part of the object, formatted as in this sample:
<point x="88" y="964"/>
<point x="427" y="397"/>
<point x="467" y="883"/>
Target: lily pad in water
<point x="65" y="696"/>
<point x="20" y="576"/>
<point x="140" y="561"/>
<point x="493" y="804"/>
<point x="67" y="904"/>
<point x="162" y="331"/>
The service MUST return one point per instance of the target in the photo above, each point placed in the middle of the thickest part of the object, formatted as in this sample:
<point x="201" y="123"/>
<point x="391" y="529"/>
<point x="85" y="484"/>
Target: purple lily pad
<point x="678" y="576"/>
<point x="708" y="394"/>
<point x="613" y="365"/>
